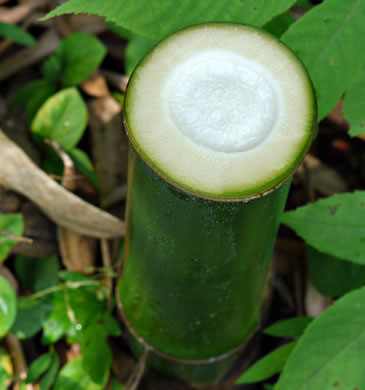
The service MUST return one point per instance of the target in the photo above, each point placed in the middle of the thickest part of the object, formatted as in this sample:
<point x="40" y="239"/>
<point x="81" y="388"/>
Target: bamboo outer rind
<point x="194" y="273"/>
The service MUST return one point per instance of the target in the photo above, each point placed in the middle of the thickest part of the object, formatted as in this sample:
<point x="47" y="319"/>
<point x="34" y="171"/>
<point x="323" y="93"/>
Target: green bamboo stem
<point x="195" y="269"/>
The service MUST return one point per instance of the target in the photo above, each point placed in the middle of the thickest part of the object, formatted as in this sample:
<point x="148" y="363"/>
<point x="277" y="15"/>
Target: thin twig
<point x="107" y="263"/>
<point x="17" y="356"/>
<point x="137" y="372"/>
<point x="59" y="287"/>
<point x="69" y="170"/>
<point x="15" y="237"/>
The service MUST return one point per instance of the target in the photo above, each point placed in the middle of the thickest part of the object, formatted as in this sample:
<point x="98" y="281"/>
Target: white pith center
<point x="222" y="101"/>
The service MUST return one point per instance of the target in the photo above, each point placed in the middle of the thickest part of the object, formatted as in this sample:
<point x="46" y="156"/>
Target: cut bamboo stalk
<point x="219" y="116"/>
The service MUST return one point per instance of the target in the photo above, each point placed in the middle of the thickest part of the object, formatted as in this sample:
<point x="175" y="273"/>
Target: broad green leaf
<point x="52" y="68"/>
<point x="291" y="328"/>
<point x="94" y="343"/>
<point x="39" y="367"/>
<point x="120" y="31"/>
<point x="29" y="317"/>
<point x="335" y="225"/>
<point x="330" y="354"/>
<point x="137" y="48"/>
<point x="72" y="311"/>
<point x="84" y="164"/>
<point x="306" y="4"/>
<point x="80" y="54"/>
<point x="97" y="346"/>
<point x="16" y="34"/>
<point x="49" y="378"/>
<point x="52" y="163"/>
<point x="62" y="118"/>
<point x="328" y="40"/>
<point x="280" y="24"/>
<point x="74" y="377"/>
<point x="269" y="365"/>
<point x="37" y="273"/>
<point x="7" y="306"/>
<point x="116" y="385"/>
<point x="331" y="276"/>
<point x="4" y="376"/>
<point x="37" y="99"/>
<point x="12" y="224"/>
<point x="354" y="106"/>
<point x="6" y="369"/>
<point x="155" y="20"/>
<point x="57" y="321"/>
<point x="25" y="94"/>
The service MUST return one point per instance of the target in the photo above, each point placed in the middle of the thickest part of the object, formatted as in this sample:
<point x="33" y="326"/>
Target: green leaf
<point x="13" y="224"/>
<point x="97" y="346"/>
<point x="25" y="94"/>
<point x="331" y="276"/>
<point x="37" y="273"/>
<point x="291" y="328"/>
<point x="94" y="343"/>
<point x="74" y="377"/>
<point x="4" y="376"/>
<point x="39" y="367"/>
<point x="354" y="106"/>
<point x="80" y="54"/>
<point x="84" y="165"/>
<point x="269" y="365"/>
<point x="57" y="321"/>
<point x="137" y="48"/>
<point x="6" y="368"/>
<point x="280" y="24"/>
<point x="120" y="31"/>
<point x="37" y="99"/>
<point x="306" y="4"/>
<point x="72" y="311"/>
<point x="62" y="118"/>
<point x="49" y="378"/>
<point x="7" y="306"/>
<point x="330" y="354"/>
<point x="16" y="34"/>
<point x="155" y="20"/>
<point x="29" y="317"/>
<point x="52" y="68"/>
<point x="327" y="39"/>
<point x="335" y="225"/>
<point x="116" y="385"/>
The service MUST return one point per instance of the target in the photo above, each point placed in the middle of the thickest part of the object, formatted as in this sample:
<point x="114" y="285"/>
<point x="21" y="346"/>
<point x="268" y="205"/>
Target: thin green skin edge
<point x="249" y="193"/>
<point x="194" y="269"/>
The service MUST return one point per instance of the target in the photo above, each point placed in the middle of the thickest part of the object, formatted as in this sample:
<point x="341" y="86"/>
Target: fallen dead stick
<point x="20" y="174"/>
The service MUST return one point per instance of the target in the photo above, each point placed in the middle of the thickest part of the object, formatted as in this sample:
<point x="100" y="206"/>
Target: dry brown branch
<point x="16" y="14"/>
<point x="20" y="174"/>
<point x="78" y="252"/>
<point x="46" y="45"/>
<point x="117" y="80"/>
<point x="15" y="237"/>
